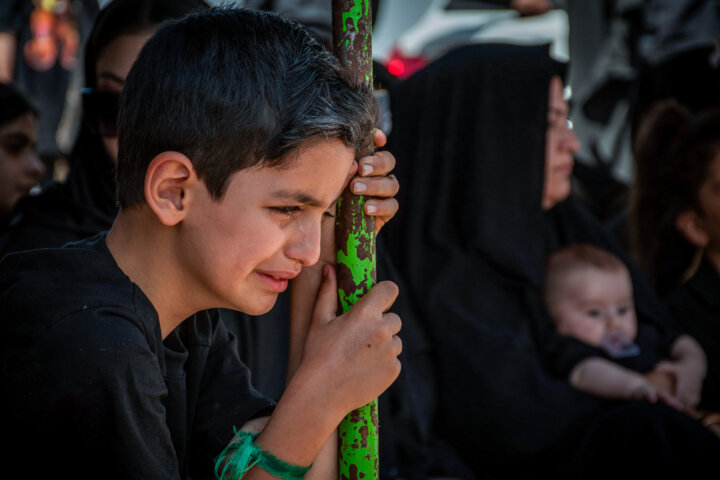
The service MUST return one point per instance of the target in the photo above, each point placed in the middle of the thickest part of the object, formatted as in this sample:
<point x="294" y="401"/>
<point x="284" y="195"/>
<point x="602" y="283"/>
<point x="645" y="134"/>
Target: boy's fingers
<point x="393" y="322"/>
<point x="397" y="345"/>
<point x="377" y="165"/>
<point x="383" y="209"/>
<point x="326" y="302"/>
<point x="380" y="138"/>
<point x="383" y="187"/>
<point x="380" y="296"/>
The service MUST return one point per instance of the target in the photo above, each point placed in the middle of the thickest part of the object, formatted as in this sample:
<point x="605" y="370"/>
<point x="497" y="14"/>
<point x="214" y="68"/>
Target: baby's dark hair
<point x="673" y="151"/>
<point x="14" y="103"/>
<point x="231" y="89"/>
<point x="576" y="257"/>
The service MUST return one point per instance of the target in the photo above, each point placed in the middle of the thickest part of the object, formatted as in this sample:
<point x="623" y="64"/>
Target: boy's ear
<point x="167" y="181"/>
<point x="690" y="226"/>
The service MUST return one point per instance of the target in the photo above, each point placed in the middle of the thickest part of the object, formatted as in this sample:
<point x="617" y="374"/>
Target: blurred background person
<point x="20" y="167"/>
<point x="84" y="204"/>
<point x="41" y="52"/>
<point x="485" y="162"/>
<point x="674" y="222"/>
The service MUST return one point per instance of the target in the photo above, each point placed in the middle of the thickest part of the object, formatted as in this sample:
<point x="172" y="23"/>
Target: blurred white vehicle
<point x="410" y="33"/>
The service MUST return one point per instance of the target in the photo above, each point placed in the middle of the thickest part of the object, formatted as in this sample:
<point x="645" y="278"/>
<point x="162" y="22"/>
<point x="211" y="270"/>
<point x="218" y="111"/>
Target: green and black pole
<point x="355" y="239"/>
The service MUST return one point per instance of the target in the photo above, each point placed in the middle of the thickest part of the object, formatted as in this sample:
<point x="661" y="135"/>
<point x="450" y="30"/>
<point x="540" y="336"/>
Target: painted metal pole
<point x="355" y="240"/>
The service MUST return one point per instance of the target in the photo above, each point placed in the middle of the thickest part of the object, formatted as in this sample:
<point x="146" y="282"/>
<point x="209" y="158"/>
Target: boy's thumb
<point x="326" y="303"/>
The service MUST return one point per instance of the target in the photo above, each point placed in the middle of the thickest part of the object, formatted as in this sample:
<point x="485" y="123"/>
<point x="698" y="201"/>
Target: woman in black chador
<point x="480" y="212"/>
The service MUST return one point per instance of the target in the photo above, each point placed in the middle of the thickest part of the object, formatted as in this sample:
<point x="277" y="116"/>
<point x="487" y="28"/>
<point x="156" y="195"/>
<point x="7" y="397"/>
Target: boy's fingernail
<point x="359" y="187"/>
<point x="370" y="208"/>
<point x="367" y="169"/>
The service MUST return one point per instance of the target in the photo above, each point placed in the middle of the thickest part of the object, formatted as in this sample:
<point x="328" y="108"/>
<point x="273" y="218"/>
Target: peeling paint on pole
<point x="355" y="240"/>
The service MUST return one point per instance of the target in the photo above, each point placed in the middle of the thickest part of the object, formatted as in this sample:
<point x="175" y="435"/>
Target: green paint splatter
<point x="361" y="269"/>
<point x="355" y="13"/>
<point x="361" y="457"/>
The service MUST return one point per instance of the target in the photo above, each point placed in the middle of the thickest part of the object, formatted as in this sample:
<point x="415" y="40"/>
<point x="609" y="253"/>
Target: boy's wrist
<point x="309" y="394"/>
<point x="301" y="423"/>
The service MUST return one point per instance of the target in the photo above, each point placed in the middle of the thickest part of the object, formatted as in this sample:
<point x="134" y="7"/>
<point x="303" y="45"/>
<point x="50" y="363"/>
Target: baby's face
<point x="591" y="302"/>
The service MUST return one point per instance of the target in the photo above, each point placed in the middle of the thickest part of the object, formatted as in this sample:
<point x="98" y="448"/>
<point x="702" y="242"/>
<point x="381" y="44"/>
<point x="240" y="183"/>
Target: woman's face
<point x="709" y="199"/>
<point x="20" y="167"/>
<point x="560" y="147"/>
<point x="111" y="70"/>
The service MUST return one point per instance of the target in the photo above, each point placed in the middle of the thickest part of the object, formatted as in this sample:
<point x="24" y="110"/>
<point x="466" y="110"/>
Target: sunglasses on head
<point x="101" y="110"/>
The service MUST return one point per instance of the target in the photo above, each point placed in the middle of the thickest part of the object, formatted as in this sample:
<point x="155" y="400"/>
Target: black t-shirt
<point x="696" y="305"/>
<point x="654" y="347"/>
<point x="89" y="386"/>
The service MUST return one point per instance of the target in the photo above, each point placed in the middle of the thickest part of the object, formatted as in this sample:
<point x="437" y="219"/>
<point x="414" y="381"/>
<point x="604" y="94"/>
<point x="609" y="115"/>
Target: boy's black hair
<point x="14" y="103"/>
<point x="230" y="89"/>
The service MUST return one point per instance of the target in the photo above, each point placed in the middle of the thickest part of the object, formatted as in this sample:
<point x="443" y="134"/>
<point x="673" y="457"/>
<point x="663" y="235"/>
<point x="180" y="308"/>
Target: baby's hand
<point x="646" y="391"/>
<point x="375" y="180"/>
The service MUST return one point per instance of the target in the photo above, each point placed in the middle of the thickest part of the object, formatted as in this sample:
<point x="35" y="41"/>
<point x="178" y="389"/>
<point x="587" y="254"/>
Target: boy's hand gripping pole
<point x="355" y="239"/>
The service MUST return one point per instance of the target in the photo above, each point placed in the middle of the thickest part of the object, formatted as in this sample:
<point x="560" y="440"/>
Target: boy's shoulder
<point x="57" y="280"/>
<point x="71" y="294"/>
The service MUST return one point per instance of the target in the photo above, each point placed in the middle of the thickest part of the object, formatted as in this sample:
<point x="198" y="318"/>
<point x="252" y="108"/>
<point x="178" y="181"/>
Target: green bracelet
<point x="242" y="454"/>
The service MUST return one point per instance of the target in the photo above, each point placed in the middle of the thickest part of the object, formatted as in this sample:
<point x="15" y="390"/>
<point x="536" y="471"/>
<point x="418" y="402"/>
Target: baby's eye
<point x="593" y="313"/>
<point x="623" y="310"/>
<point x="286" y="211"/>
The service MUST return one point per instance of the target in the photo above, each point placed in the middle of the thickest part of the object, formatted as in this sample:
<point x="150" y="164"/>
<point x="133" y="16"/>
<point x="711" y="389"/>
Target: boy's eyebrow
<point x="299" y="197"/>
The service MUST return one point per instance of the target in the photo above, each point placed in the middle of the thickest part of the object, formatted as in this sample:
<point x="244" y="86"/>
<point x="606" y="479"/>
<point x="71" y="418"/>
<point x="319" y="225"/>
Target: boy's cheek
<point x="327" y="240"/>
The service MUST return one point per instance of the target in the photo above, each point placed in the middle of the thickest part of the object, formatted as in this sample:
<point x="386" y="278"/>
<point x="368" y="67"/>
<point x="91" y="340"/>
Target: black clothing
<point x="90" y="388"/>
<point x="696" y="306"/>
<point x="654" y="349"/>
<point x="471" y="241"/>
<point x="65" y="212"/>
<point x="646" y="440"/>
<point x="408" y="447"/>
<point x="458" y="241"/>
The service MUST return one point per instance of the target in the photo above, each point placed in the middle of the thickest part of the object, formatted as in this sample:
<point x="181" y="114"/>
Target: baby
<point x="589" y="294"/>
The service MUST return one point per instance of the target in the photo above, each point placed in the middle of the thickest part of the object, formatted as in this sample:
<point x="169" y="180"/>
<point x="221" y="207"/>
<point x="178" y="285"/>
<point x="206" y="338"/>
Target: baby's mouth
<point x="617" y="344"/>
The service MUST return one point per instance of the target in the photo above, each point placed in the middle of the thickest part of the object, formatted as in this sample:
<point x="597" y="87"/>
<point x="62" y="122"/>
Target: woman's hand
<point x="688" y="365"/>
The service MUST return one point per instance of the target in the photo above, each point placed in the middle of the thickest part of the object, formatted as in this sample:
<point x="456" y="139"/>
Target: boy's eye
<point x="593" y="313"/>
<point x="287" y="211"/>
<point x="623" y="310"/>
<point x="329" y="214"/>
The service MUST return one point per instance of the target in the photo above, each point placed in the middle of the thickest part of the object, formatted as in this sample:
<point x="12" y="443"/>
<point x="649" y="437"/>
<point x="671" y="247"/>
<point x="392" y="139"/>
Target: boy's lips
<point x="276" y="281"/>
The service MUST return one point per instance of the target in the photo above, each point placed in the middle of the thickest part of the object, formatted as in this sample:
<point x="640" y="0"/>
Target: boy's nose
<point x="304" y="245"/>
